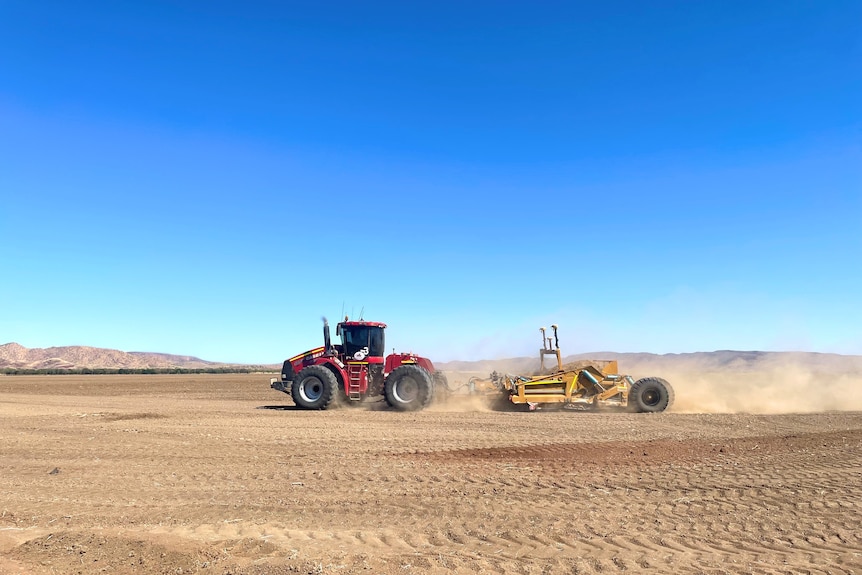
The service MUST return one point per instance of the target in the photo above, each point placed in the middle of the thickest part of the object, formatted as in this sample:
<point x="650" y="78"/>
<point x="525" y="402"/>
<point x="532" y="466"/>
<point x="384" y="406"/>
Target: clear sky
<point x="210" y="178"/>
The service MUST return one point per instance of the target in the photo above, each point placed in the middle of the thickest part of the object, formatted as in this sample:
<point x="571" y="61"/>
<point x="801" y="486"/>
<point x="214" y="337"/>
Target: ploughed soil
<point x="220" y="474"/>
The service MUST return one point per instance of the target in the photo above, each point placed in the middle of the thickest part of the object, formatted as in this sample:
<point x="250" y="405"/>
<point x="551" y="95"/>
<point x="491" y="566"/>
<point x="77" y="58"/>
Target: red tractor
<point x="356" y="369"/>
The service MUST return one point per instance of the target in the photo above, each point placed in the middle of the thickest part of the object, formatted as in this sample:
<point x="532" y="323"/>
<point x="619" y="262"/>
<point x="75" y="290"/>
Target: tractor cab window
<point x="361" y="341"/>
<point x="375" y="341"/>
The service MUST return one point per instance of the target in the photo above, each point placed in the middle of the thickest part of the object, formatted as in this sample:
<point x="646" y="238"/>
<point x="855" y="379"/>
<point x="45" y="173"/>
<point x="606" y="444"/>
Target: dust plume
<point x="790" y="390"/>
<point x="721" y="382"/>
<point x="771" y="383"/>
<point x="463" y="403"/>
<point x="459" y="399"/>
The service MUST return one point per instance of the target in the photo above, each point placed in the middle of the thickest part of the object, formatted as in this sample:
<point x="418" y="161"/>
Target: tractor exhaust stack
<point x="327" y="341"/>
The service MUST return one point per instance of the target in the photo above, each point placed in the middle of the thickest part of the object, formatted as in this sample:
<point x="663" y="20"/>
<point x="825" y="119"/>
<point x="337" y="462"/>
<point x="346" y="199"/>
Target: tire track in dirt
<point x="752" y="495"/>
<point x="266" y="491"/>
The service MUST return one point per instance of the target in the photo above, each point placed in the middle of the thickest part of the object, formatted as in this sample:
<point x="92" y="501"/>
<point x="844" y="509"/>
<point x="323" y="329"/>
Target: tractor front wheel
<point x="650" y="395"/>
<point x="408" y="388"/>
<point x="315" y="387"/>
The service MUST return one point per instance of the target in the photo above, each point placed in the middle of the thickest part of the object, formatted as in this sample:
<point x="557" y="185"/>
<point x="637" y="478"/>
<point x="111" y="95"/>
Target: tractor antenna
<point x="342" y="309"/>
<point x="362" y="311"/>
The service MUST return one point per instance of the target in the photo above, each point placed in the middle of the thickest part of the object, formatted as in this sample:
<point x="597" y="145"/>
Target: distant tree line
<point x="137" y="371"/>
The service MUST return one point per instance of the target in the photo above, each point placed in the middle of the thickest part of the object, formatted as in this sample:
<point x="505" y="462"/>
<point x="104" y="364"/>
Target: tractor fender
<point x="299" y="362"/>
<point x="396" y="360"/>
<point x="337" y="370"/>
<point x="293" y="366"/>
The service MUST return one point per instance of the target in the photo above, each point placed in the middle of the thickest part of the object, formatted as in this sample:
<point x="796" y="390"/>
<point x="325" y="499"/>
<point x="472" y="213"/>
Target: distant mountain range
<point x="15" y="356"/>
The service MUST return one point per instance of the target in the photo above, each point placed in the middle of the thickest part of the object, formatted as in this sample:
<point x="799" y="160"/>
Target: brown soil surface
<point x="219" y="474"/>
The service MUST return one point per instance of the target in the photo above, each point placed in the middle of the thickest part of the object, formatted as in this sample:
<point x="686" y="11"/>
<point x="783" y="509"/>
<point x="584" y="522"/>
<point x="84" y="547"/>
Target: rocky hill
<point x="15" y="356"/>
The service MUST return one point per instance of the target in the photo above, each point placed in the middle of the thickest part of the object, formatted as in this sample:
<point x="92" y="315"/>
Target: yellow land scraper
<point x="582" y="384"/>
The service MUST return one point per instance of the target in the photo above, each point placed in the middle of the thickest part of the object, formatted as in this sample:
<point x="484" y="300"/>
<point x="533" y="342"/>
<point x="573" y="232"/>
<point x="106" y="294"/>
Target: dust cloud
<point x="758" y="382"/>
<point x="792" y="389"/>
<point x="458" y="399"/>
<point x="767" y="385"/>
<point x="461" y="403"/>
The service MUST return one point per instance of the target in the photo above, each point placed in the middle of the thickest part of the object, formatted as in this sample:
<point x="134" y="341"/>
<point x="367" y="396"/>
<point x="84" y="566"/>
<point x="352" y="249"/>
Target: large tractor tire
<point x="650" y="395"/>
<point x="409" y="388"/>
<point x="315" y="387"/>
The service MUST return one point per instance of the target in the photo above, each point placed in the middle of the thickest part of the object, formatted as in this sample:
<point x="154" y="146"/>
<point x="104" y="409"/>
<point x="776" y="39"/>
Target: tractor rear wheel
<point x="650" y="395"/>
<point x="315" y="387"/>
<point x="408" y="388"/>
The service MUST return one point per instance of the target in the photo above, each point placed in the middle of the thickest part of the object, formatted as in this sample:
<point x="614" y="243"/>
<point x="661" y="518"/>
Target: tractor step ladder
<point x="354" y="382"/>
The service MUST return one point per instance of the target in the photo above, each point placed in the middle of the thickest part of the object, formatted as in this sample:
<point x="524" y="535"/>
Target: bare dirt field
<point x="219" y="474"/>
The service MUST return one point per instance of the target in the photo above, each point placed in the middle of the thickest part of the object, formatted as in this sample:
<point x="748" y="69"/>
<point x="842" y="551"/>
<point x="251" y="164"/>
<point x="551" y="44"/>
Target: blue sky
<point x="210" y="178"/>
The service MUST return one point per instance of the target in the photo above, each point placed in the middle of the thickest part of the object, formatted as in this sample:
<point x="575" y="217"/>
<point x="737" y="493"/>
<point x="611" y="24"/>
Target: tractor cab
<point x="362" y="340"/>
